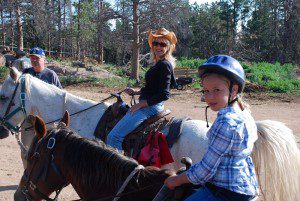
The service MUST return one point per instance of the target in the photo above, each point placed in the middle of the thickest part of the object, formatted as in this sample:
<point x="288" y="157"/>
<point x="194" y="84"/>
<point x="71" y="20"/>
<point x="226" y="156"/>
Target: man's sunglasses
<point x="161" y="44"/>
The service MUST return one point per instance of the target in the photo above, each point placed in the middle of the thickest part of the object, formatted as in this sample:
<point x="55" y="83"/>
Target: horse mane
<point x="29" y="79"/>
<point x="93" y="163"/>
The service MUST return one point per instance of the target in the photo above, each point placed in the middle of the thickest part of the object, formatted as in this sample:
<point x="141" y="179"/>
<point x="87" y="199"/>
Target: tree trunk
<point x="135" y="45"/>
<point x="64" y="15"/>
<point x="12" y="29"/>
<point x="2" y="25"/>
<point x="59" y="27"/>
<point x="78" y="31"/>
<point x="100" y="33"/>
<point x="48" y="13"/>
<point x="71" y="26"/>
<point x="19" y="25"/>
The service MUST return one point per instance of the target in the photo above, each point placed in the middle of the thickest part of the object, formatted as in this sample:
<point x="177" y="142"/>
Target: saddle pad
<point x="175" y="130"/>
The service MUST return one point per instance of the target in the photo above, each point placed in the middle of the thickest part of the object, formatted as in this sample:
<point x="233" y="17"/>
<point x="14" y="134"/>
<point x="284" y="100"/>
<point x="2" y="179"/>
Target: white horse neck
<point x="50" y="103"/>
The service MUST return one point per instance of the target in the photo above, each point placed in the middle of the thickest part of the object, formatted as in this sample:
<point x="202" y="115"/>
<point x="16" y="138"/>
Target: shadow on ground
<point x="8" y="188"/>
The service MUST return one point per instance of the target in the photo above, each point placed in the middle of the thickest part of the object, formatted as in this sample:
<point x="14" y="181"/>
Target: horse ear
<point x="66" y="119"/>
<point x="14" y="73"/>
<point x="39" y="127"/>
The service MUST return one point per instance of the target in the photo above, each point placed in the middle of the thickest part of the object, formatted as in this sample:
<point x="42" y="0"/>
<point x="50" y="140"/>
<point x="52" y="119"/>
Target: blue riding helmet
<point x="36" y="51"/>
<point x="227" y="66"/>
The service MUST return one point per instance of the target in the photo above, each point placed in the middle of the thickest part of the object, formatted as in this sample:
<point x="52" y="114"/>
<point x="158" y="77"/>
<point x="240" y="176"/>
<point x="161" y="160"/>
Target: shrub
<point x="275" y="77"/>
<point x="3" y="73"/>
<point x="93" y="81"/>
<point x="189" y="63"/>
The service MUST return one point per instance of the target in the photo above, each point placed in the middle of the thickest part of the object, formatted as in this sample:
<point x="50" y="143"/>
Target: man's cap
<point x="36" y="51"/>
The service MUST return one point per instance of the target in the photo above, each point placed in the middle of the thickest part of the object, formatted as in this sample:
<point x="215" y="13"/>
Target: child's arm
<point x="221" y="141"/>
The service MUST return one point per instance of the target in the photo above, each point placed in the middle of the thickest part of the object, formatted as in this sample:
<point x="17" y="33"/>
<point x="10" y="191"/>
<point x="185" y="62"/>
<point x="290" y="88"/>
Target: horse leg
<point x="26" y="139"/>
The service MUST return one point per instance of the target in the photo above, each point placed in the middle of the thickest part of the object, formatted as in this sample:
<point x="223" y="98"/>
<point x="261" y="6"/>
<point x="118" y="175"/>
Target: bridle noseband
<point x="4" y="121"/>
<point x="43" y="172"/>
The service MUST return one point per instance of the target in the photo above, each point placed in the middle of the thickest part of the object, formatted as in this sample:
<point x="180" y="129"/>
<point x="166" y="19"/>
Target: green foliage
<point x="275" y="77"/>
<point x="114" y="82"/>
<point x="196" y="84"/>
<point x="3" y="73"/>
<point x="189" y="63"/>
<point x="70" y="80"/>
<point x="120" y="71"/>
<point x="93" y="81"/>
<point x="283" y="86"/>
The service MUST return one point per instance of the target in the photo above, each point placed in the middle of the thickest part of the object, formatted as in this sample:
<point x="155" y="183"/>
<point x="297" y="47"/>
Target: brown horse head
<point x="95" y="170"/>
<point x="40" y="179"/>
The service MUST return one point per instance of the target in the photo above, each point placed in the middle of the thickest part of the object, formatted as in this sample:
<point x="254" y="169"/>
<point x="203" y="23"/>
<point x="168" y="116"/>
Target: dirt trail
<point x="182" y="103"/>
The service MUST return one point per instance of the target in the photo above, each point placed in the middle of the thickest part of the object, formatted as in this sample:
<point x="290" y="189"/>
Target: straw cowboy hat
<point x="162" y="33"/>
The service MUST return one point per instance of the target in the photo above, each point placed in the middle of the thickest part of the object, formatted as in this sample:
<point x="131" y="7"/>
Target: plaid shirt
<point x="227" y="162"/>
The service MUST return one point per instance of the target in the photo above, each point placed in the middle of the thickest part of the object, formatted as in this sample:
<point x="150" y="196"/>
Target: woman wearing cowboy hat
<point x="158" y="79"/>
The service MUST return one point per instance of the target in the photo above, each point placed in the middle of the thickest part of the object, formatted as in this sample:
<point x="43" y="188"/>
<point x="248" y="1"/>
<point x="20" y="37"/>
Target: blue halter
<point x="5" y="120"/>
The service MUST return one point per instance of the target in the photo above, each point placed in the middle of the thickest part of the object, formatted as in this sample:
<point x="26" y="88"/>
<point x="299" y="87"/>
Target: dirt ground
<point x="183" y="103"/>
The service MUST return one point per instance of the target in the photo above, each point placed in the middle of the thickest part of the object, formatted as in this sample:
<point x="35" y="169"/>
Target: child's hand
<point x="176" y="180"/>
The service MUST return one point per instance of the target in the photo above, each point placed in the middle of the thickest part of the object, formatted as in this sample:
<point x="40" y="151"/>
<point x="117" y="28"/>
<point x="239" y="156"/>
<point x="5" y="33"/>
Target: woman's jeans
<point x="130" y="122"/>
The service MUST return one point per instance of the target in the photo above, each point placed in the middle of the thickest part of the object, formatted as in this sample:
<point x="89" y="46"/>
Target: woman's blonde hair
<point x="168" y="56"/>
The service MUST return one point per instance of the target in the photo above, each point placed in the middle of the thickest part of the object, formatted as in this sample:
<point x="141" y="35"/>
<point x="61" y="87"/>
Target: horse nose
<point x="4" y="133"/>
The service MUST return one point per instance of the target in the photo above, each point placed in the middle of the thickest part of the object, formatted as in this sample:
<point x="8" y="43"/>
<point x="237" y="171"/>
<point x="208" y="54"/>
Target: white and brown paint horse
<point x="275" y="155"/>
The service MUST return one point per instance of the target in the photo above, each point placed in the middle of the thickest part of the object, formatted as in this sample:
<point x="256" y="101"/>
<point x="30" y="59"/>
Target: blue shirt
<point x="227" y="162"/>
<point x="46" y="75"/>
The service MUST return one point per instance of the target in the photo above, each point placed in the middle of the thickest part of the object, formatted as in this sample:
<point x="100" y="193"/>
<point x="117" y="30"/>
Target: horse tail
<point x="277" y="161"/>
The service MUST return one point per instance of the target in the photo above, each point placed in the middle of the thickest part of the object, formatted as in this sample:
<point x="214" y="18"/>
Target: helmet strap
<point x="207" y="125"/>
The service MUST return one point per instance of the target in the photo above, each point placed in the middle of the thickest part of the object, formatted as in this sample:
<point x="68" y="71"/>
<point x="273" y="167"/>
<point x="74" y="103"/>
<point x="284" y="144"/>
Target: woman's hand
<point x="131" y="91"/>
<point x="138" y="106"/>
<point x="176" y="180"/>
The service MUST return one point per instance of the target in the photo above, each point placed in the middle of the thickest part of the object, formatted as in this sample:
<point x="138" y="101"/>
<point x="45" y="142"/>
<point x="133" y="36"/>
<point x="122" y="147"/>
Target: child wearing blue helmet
<point x="226" y="170"/>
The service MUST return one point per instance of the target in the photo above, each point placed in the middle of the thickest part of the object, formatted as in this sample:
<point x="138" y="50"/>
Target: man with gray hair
<point x="38" y="69"/>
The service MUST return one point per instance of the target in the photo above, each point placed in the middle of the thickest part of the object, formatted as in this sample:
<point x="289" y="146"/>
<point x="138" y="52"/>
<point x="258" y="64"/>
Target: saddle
<point x="135" y="140"/>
